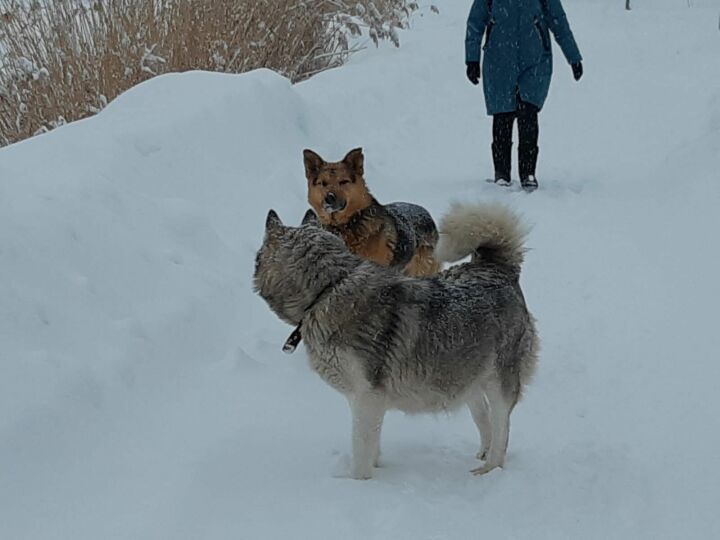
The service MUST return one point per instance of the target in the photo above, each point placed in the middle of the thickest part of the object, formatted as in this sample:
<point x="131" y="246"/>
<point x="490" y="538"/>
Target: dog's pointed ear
<point x="310" y="218"/>
<point x="273" y="224"/>
<point x="313" y="164"/>
<point x="355" y="160"/>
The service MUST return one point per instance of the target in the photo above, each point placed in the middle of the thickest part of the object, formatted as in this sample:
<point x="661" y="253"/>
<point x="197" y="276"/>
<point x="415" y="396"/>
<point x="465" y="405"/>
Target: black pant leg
<point x="502" y="128"/>
<point x="528" y="128"/>
<point x="502" y="145"/>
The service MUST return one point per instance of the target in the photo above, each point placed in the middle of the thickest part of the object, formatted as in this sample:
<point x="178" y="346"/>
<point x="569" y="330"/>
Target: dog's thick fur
<point x="388" y="341"/>
<point x="398" y="235"/>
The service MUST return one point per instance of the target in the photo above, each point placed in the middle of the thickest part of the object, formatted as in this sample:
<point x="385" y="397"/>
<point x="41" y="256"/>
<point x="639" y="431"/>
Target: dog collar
<point x="295" y="337"/>
<point x="292" y="342"/>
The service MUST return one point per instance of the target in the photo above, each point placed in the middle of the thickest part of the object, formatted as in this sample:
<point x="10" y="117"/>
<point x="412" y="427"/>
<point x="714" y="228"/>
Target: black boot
<point x="527" y="160"/>
<point x="502" y="160"/>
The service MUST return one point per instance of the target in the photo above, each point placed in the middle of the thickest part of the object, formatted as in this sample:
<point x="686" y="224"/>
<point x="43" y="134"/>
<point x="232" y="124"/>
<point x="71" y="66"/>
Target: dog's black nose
<point x="330" y="199"/>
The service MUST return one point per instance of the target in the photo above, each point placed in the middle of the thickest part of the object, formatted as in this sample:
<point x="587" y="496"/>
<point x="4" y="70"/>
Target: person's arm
<point x="476" y="23"/>
<point x="558" y="24"/>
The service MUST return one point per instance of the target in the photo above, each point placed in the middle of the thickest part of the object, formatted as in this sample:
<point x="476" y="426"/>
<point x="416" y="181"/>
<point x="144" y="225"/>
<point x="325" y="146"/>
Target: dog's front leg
<point x="368" y="410"/>
<point x="376" y="452"/>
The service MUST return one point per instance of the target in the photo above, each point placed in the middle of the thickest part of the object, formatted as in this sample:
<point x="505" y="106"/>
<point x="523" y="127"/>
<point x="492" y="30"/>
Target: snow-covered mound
<point x="143" y="393"/>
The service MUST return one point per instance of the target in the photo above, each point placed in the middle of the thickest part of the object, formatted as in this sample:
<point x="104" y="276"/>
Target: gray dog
<point x="388" y="341"/>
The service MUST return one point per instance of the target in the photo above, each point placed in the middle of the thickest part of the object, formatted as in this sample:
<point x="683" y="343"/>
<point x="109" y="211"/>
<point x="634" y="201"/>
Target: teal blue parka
<point x="518" y="53"/>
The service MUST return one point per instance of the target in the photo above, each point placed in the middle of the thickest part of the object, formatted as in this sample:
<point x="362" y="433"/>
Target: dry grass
<point x="63" y="60"/>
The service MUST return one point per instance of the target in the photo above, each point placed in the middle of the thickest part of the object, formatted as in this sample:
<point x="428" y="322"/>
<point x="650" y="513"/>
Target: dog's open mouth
<point x="338" y="206"/>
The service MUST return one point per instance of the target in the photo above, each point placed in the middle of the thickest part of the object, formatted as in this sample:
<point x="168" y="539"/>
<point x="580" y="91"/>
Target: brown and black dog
<point x="399" y="235"/>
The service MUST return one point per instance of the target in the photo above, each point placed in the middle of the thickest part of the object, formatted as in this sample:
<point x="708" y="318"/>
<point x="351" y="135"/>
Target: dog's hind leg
<point x="481" y="415"/>
<point x="501" y="404"/>
<point x="376" y="458"/>
<point x="368" y="411"/>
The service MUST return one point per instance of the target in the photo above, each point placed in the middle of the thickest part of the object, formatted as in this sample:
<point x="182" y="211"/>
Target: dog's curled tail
<point x="488" y="232"/>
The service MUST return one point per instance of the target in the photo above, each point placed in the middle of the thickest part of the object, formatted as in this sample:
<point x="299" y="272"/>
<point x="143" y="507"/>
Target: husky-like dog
<point x="399" y="235"/>
<point x="389" y="341"/>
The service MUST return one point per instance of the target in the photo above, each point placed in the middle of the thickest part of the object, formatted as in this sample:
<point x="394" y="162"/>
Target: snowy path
<point x="143" y="393"/>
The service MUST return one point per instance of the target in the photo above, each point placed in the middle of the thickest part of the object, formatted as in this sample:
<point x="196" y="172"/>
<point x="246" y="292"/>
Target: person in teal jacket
<point x="516" y="72"/>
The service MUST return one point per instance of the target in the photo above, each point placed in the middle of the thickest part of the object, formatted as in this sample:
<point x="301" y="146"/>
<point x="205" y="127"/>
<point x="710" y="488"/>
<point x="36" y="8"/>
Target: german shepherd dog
<point x="398" y="235"/>
<point x="389" y="341"/>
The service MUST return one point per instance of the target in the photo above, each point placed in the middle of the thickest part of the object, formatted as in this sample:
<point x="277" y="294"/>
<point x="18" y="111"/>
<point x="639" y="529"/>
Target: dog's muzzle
<point x="331" y="204"/>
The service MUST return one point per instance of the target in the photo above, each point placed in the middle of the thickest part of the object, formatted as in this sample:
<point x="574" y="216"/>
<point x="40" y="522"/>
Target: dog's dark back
<point x="415" y="228"/>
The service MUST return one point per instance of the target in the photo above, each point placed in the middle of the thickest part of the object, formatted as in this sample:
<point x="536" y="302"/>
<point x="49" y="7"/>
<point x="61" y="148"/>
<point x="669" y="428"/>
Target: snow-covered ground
<point x="143" y="394"/>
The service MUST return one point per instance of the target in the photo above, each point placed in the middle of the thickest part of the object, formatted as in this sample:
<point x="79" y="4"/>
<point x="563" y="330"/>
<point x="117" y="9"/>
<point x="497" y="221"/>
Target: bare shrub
<point x="63" y="60"/>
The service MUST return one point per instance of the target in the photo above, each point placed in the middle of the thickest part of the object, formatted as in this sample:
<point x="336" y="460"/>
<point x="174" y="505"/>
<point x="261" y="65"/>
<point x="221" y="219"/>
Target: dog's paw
<point x="362" y="469"/>
<point x="344" y="469"/>
<point x="361" y="474"/>
<point x="485" y="469"/>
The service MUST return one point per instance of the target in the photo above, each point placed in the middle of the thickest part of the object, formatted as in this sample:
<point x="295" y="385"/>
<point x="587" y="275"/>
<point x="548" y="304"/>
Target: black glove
<point x="473" y="72"/>
<point x="577" y="70"/>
